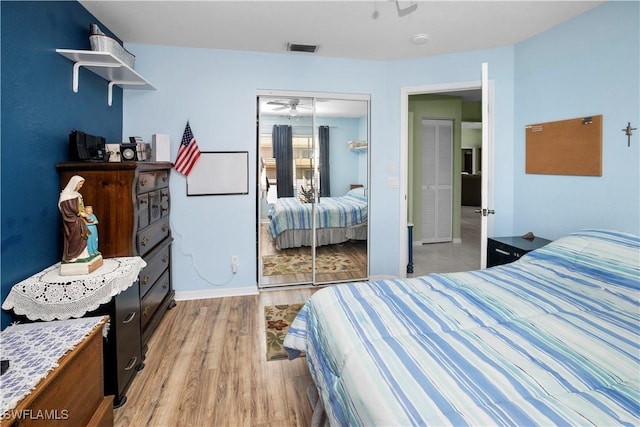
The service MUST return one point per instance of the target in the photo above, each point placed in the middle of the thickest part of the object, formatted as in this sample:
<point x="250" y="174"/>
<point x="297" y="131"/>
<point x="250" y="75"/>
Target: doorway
<point x="313" y="169"/>
<point x="463" y="216"/>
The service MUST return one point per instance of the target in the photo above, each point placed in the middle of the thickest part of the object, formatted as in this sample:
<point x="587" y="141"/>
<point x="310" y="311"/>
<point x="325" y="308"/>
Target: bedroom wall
<point x="218" y="96"/>
<point x="573" y="71"/>
<point x="39" y="109"/>
<point x="217" y="93"/>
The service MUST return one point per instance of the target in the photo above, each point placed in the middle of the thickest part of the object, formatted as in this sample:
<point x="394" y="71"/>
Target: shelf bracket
<point x="118" y="82"/>
<point x="76" y="72"/>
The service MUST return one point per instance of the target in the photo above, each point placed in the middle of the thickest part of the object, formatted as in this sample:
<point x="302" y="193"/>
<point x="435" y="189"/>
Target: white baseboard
<point x="215" y="293"/>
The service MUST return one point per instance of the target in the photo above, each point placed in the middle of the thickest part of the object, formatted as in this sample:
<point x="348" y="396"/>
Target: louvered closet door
<point x="437" y="180"/>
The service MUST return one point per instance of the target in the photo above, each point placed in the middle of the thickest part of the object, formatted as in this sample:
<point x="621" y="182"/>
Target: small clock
<point x="128" y="152"/>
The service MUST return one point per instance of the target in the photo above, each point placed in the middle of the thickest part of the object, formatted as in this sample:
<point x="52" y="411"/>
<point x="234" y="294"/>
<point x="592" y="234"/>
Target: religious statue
<point x="92" y="225"/>
<point x="76" y="258"/>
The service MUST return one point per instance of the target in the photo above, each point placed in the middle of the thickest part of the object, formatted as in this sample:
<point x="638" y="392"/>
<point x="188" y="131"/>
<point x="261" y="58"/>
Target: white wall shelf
<point x="106" y="66"/>
<point x="358" y="146"/>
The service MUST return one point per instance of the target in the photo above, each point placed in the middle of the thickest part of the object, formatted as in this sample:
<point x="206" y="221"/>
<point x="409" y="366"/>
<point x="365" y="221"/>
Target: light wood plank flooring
<point x="206" y="366"/>
<point x="206" y="363"/>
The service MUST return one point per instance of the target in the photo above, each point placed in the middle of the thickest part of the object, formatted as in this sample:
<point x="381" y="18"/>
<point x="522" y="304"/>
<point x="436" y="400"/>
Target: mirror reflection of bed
<point x="313" y="174"/>
<point x="341" y="238"/>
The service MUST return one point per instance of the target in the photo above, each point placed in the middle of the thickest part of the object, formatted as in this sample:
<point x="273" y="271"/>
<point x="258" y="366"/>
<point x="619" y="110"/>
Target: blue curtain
<point x="282" y="139"/>
<point x="323" y="167"/>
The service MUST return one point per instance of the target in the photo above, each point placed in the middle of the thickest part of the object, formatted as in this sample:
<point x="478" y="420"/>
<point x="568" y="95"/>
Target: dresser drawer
<point x="142" y="201"/>
<point x="154" y="206"/>
<point x="152" y="180"/>
<point x="157" y="262"/>
<point x="164" y="201"/>
<point x="151" y="301"/>
<point x="148" y="238"/>
<point x="127" y="333"/>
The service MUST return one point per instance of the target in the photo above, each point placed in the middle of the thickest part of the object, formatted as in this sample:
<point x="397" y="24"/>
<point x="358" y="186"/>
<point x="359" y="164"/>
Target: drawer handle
<point x="165" y="259"/>
<point x="164" y="209"/>
<point x="143" y="182"/>
<point x="165" y="285"/>
<point x="143" y="202"/>
<point x="145" y="310"/>
<point x="500" y="251"/>
<point x="165" y="178"/>
<point x="145" y="280"/>
<point x="165" y="227"/>
<point x="132" y="363"/>
<point x="144" y="241"/>
<point x="129" y="317"/>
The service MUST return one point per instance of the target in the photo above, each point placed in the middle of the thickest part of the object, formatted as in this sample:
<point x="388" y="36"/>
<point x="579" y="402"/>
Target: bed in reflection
<point x="338" y="219"/>
<point x="551" y="339"/>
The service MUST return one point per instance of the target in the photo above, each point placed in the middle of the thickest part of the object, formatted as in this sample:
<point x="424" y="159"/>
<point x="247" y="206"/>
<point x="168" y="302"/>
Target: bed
<point x="551" y="339"/>
<point x="338" y="219"/>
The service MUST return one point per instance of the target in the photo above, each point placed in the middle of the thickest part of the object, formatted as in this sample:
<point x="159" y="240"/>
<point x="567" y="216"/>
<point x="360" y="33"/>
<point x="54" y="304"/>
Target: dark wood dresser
<point x="132" y="202"/>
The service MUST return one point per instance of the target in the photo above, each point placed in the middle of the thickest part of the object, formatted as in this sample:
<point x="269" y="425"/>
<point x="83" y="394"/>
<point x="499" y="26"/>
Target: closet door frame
<point x="314" y="134"/>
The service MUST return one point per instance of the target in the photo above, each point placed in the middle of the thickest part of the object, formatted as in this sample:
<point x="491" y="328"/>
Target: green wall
<point x="433" y="106"/>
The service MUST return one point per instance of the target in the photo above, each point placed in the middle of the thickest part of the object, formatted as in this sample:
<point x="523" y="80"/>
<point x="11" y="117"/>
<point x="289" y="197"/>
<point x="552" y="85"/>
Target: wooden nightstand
<point x="503" y="250"/>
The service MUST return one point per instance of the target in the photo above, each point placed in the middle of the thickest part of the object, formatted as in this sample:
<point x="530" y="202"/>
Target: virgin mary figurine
<point x="75" y="230"/>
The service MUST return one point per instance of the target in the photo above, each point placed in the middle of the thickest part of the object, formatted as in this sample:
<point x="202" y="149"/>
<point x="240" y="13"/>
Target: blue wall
<point x="574" y="71"/>
<point x="217" y="93"/>
<point x="39" y="109"/>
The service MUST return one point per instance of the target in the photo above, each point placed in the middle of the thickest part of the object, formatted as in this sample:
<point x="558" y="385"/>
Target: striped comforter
<point x="552" y="339"/>
<point x="332" y="212"/>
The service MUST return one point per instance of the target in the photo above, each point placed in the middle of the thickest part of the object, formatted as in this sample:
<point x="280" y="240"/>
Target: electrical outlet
<point x="235" y="262"/>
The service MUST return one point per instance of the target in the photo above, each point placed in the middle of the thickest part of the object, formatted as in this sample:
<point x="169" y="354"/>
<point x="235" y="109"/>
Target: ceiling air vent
<point x="307" y="48"/>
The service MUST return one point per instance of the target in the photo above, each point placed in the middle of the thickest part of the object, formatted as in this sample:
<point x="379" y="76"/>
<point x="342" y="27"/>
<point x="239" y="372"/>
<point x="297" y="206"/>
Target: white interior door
<point x="486" y="208"/>
<point x="437" y="180"/>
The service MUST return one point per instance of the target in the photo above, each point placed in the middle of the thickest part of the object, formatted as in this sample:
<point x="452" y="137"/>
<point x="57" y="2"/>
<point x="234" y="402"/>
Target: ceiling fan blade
<point x="286" y="104"/>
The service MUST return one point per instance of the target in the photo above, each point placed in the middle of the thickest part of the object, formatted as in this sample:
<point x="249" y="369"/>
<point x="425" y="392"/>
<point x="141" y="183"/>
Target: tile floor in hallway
<point x="449" y="257"/>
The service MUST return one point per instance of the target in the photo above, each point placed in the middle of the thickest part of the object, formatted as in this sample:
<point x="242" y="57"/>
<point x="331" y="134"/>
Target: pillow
<point x="357" y="192"/>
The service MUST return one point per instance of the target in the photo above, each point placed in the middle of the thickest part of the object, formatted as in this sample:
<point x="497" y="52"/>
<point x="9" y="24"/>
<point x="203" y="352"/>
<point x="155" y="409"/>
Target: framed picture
<point x="219" y="173"/>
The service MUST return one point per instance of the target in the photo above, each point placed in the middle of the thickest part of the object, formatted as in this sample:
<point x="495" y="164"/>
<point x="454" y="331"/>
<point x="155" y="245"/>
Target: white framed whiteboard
<point x="219" y="173"/>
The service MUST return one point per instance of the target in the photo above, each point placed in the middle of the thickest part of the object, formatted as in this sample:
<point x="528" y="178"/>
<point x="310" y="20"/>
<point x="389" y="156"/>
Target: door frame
<point x="405" y="92"/>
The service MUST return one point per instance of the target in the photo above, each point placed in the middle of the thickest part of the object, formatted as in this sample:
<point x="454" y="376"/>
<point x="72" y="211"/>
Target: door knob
<point x="485" y="212"/>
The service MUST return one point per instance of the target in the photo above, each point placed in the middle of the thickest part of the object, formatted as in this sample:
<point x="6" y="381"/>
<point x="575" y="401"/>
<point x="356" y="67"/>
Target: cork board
<point x="565" y="147"/>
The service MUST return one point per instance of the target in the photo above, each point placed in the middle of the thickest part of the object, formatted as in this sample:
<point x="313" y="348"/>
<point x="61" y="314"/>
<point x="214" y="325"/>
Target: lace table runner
<point x="34" y="350"/>
<point x="49" y="296"/>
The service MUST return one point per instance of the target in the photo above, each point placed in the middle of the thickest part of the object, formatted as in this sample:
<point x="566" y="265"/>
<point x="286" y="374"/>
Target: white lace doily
<point x="34" y="350"/>
<point x="49" y="296"/>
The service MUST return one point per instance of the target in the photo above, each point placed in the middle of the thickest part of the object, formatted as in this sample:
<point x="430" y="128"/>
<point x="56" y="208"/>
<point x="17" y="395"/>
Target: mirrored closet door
<point x="313" y="170"/>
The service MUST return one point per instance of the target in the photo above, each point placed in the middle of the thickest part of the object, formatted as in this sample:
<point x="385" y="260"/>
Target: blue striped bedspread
<point x="332" y="212"/>
<point x="551" y="339"/>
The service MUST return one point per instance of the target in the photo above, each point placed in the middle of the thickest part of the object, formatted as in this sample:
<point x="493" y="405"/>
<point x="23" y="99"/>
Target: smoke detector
<point x="418" y="39"/>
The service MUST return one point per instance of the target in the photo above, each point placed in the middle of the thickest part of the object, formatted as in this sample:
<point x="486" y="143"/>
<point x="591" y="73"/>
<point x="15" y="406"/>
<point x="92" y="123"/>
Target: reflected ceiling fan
<point x="292" y="104"/>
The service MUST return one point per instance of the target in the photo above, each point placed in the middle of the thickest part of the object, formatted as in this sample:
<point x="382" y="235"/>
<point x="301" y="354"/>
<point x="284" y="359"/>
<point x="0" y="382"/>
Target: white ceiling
<point x="359" y="29"/>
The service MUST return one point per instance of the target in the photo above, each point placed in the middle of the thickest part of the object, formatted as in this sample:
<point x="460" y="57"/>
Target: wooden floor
<point x="206" y="363"/>
<point x="206" y="366"/>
